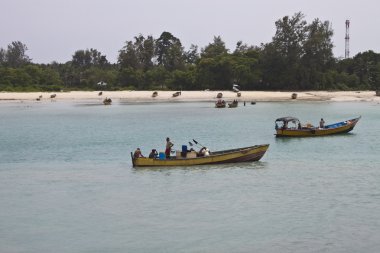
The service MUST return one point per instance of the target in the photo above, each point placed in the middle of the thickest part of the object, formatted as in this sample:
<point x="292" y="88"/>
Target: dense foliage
<point x="299" y="57"/>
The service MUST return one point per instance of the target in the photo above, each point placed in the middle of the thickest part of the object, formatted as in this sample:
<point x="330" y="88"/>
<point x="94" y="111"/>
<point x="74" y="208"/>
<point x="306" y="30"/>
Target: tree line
<point x="299" y="57"/>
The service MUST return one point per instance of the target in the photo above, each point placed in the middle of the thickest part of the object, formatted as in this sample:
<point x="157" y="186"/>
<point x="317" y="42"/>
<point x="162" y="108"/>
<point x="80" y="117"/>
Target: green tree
<point x="145" y="51"/>
<point x="180" y="80"/>
<point x="88" y="58"/>
<point x="2" y="56"/>
<point x="192" y="55"/>
<point x="131" y="78"/>
<point x="215" y="73"/>
<point x="138" y="54"/>
<point x="175" y="58"/>
<point x="282" y="57"/>
<point x="365" y="66"/>
<point x="245" y="72"/>
<point x="15" y="56"/>
<point x="157" y="77"/>
<point x="242" y="49"/>
<point x="217" y="48"/>
<point x="318" y="55"/>
<point x="31" y="77"/>
<point x="274" y="69"/>
<point x="128" y="57"/>
<point x="169" y="52"/>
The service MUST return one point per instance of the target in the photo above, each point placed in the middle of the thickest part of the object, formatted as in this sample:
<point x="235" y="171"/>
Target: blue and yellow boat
<point x="247" y="154"/>
<point x="291" y="127"/>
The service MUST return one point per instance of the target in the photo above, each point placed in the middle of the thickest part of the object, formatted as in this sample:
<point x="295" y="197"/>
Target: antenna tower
<point x="347" y="39"/>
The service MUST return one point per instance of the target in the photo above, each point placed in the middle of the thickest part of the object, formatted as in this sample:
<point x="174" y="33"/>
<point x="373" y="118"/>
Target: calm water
<point x="67" y="184"/>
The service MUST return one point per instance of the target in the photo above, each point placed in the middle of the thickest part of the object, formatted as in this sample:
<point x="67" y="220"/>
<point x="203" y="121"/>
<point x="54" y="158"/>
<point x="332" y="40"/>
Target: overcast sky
<point x="54" y="29"/>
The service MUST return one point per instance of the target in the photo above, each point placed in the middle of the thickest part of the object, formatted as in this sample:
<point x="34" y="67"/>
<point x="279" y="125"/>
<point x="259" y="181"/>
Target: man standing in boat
<point x="322" y="123"/>
<point x="168" y="148"/>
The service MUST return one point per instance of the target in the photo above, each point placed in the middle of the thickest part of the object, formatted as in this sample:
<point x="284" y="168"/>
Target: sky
<point x="54" y="29"/>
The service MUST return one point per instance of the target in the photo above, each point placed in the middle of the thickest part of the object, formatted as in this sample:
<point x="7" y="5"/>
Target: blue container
<point x="162" y="156"/>
<point x="184" y="149"/>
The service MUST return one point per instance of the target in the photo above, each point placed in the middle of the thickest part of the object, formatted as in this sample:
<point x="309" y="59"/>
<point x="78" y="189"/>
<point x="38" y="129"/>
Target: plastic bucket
<point x="162" y="156"/>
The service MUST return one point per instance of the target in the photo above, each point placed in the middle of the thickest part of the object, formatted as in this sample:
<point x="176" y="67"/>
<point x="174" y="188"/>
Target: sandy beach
<point x="188" y="96"/>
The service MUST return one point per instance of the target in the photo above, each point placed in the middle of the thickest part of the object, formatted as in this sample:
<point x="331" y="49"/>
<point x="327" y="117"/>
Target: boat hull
<point x="247" y="154"/>
<point x="337" y="128"/>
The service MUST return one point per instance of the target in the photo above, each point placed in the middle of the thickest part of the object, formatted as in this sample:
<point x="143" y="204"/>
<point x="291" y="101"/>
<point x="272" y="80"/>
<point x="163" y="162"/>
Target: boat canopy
<point x="288" y="119"/>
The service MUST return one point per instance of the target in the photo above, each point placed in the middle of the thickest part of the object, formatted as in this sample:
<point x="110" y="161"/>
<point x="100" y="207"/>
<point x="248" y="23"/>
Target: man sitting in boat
<point x="204" y="152"/>
<point x="137" y="153"/>
<point x="153" y="154"/>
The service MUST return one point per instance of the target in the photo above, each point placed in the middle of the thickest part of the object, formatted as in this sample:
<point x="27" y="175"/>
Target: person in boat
<point x="153" y="154"/>
<point x="168" y="148"/>
<point x="137" y="153"/>
<point x="285" y="126"/>
<point x="204" y="152"/>
<point x="322" y="123"/>
<point x="299" y="125"/>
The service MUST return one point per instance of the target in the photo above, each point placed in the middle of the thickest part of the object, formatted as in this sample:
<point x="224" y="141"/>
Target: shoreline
<point x="193" y="96"/>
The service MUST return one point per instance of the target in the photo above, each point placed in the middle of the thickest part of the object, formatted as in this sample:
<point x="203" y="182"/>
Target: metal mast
<point x="347" y="39"/>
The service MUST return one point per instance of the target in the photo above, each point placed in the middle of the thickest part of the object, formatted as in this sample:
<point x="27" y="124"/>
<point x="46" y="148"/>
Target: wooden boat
<point x="233" y="104"/>
<point x="295" y="129"/>
<point x="220" y="104"/>
<point x="176" y="94"/>
<point x="107" y="101"/>
<point x="247" y="154"/>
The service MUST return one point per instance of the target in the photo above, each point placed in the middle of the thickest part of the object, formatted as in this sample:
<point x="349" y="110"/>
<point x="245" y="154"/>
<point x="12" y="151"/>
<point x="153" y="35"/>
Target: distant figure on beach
<point x="168" y="148"/>
<point x="322" y="123"/>
<point x="100" y="93"/>
<point x="137" y="153"/>
<point x="153" y="154"/>
<point x="53" y="95"/>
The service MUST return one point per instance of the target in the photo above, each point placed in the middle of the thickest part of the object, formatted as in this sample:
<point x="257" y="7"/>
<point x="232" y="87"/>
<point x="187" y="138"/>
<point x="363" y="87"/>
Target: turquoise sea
<point x="67" y="184"/>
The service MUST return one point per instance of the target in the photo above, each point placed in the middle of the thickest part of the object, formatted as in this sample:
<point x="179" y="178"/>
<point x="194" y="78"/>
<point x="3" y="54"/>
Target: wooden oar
<point x="198" y="143"/>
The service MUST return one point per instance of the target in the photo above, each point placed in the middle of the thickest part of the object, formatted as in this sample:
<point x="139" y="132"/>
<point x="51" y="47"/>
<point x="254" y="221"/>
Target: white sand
<point x="165" y="96"/>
